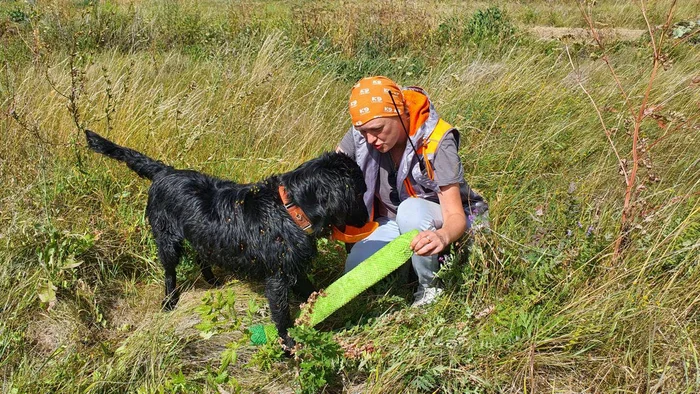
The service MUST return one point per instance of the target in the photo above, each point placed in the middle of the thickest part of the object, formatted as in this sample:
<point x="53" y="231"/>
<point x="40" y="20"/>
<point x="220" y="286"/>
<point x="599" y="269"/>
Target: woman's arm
<point x="454" y="224"/>
<point x="347" y="145"/>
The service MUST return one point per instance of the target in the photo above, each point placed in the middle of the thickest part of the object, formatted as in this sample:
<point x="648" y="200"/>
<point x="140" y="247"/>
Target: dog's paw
<point x="170" y="302"/>
<point x="288" y="345"/>
<point x="216" y="282"/>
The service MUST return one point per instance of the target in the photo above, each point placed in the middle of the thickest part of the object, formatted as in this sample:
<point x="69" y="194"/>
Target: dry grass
<point x="246" y="89"/>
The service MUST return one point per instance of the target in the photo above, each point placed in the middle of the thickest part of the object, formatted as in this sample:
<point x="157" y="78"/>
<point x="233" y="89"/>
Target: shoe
<point x="426" y="296"/>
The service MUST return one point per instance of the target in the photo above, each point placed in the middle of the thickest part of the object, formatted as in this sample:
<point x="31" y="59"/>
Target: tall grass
<point x="246" y="89"/>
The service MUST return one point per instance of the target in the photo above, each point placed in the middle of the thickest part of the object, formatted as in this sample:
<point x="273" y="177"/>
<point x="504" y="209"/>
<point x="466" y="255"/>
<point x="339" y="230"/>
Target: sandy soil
<point x="578" y="33"/>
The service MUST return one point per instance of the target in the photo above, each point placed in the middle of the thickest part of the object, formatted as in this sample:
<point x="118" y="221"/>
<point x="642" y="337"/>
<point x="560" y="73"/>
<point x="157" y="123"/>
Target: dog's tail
<point x="143" y="165"/>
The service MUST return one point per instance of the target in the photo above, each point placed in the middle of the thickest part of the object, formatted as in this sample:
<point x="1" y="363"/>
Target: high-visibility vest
<point x="427" y="149"/>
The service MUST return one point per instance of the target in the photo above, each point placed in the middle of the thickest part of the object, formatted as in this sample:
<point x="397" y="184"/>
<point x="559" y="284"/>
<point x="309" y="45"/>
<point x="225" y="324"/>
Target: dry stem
<point x="638" y="116"/>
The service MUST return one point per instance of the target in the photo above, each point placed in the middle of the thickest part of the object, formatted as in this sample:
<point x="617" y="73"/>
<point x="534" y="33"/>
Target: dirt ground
<point x="578" y="33"/>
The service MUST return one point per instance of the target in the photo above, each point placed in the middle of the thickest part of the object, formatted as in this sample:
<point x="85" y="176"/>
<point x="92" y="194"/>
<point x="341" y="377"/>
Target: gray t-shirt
<point x="446" y="165"/>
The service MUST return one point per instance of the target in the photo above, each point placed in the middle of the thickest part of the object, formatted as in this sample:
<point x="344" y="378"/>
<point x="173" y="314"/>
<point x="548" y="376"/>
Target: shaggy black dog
<point x="246" y="227"/>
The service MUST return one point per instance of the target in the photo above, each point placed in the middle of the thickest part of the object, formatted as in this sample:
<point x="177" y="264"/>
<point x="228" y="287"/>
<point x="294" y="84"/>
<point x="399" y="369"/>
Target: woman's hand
<point x="429" y="242"/>
<point x="432" y="242"/>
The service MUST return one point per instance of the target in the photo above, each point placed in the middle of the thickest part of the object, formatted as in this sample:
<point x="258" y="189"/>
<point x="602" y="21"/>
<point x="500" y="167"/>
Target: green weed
<point x="320" y="359"/>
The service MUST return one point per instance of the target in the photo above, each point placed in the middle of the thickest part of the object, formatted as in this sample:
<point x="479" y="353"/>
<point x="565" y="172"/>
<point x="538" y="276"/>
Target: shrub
<point x="484" y="28"/>
<point x="489" y="26"/>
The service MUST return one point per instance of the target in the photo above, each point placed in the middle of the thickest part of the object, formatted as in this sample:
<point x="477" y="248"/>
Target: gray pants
<point x="413" y="213"/>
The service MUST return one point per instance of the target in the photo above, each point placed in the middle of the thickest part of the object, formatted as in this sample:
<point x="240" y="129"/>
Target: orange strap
<point x="428" y="147"/>
<point x="354" y="234"/>
<point x="409" y="188"/>
<point x="295" y="212"/>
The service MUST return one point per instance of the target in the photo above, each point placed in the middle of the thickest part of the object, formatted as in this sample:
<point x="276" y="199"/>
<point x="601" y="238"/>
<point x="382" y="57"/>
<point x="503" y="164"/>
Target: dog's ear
<point x="326" y="188"/>
<point x="322" y="197"/>
<point x="341" y="193"/>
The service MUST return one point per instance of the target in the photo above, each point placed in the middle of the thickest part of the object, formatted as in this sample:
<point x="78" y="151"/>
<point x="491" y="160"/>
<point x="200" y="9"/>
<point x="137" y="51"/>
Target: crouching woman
<point x="414" y="176"/>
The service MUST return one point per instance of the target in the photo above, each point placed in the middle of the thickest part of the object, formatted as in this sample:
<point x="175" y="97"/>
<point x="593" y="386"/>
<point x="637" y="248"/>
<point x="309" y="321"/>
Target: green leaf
<point x="221" y="378"/>
<point x="47" y="292"/>
<point x="71" y="262"/>
<point x="229" y="356"/>
<point x="207" y="334"/>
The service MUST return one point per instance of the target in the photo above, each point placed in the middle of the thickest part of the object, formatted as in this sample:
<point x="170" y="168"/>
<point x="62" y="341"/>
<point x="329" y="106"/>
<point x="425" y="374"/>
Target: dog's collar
<point x="295" y="212"/>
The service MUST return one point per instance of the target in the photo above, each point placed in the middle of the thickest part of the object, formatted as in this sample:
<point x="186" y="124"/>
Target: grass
<point x="246" y="89"/>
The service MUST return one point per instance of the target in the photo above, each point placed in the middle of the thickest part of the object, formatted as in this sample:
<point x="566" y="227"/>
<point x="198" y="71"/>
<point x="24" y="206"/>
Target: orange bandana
<point x="370" y="99"/>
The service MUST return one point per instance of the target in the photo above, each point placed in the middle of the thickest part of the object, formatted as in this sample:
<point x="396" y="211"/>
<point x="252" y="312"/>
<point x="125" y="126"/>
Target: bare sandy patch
<point x="61" y="326"/>
<point x="579" y="33"/>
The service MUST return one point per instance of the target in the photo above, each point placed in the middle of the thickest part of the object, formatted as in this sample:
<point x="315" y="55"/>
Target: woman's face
<point x="383" y="133"/>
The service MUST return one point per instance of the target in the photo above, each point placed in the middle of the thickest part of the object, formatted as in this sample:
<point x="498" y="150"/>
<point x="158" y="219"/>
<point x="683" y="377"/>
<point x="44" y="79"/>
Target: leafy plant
<point x="266" y="356"/>
<point x="178" y="383"/>
<point x="60" y="256"/>
<point x="218" y="313"/>
<point x="489" y="26"/>
<point x="18" y="16"/>
<point x="320" y="359"/>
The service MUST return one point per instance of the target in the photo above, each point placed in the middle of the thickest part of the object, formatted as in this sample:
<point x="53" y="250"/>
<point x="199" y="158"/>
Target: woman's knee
<point x="417" y="213"/>
<point x="360" y="252"/>
<point x="353" y="259"/>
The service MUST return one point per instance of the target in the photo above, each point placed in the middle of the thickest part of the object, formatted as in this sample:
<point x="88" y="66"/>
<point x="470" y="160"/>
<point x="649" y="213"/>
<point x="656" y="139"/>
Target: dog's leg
<point x="205" y="266"/>
<point x="277" y="293"/>
<point x="169" y="251"/>
<point x="172" y="293"/>
<point x="303" y="288"/>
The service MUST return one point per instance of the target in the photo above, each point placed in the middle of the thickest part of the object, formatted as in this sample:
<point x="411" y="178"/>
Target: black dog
<point x="247" y="227"/>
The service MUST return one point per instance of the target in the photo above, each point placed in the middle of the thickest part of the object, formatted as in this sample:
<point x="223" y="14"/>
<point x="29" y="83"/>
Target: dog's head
<point x="330" y="190"/>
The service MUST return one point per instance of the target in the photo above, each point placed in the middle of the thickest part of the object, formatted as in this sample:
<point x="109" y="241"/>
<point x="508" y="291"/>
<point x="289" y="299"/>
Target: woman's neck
<point x="396" y="153"/>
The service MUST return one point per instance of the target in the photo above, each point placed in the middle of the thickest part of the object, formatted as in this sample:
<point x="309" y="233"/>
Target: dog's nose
<point x="360" y="218"/>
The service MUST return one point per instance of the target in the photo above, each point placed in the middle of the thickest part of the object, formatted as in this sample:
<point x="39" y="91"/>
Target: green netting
<point x="385" y="261"/>
<point x="261" y="334"/>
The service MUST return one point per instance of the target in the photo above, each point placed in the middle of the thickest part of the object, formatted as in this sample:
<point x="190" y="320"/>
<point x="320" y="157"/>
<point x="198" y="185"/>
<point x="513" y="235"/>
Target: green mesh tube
<point x="376" y="267"/>
<point x="261" y="334"/>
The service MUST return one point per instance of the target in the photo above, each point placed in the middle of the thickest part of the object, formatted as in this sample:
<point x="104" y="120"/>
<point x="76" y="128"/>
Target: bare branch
<point x="604" y="57"/>
<point x="638" y="114"/>
<point x="650" y="29"/>
<point x="667" y="133"/>
<point x="54" y="86"/>
<point x="664" y="28"/>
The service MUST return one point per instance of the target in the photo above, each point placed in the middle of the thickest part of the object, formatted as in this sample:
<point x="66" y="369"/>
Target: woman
<point x="414" y="176"/>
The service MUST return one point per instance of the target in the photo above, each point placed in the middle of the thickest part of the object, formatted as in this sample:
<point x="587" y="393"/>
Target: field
<point x="587" y="152"/>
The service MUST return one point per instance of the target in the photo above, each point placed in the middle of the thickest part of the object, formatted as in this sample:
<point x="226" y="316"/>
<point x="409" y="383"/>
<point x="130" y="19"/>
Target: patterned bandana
<point x="370" y="99"/>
